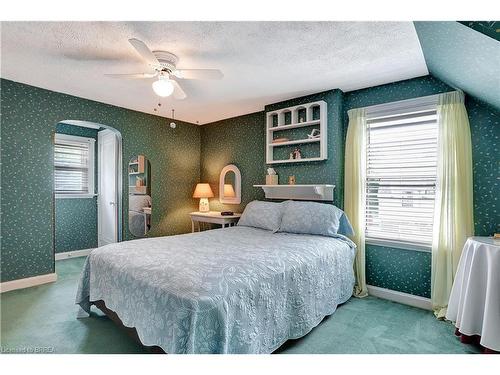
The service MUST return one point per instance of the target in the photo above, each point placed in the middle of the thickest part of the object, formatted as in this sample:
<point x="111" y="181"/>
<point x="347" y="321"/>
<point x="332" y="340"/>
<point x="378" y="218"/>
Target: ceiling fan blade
<point x="178" y="91"/>
<point x="144" y="51"/>
<point x="198" y="73"/>
<point x="133" y="76"/>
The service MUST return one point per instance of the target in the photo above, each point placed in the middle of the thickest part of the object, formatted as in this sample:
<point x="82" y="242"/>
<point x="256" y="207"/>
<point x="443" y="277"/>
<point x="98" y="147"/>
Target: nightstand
<point x="212" y="217"/>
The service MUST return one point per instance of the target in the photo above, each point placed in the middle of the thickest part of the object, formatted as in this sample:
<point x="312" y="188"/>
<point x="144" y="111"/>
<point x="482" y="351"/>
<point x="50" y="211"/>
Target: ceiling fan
<point x="164" y="65"/>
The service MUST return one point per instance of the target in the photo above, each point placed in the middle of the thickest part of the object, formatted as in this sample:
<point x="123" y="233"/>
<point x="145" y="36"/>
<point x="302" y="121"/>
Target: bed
<point x="232" y="290"/>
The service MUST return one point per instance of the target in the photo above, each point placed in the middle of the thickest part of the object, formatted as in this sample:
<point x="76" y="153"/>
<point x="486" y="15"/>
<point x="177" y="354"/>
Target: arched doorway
<point x="87" y="186"/>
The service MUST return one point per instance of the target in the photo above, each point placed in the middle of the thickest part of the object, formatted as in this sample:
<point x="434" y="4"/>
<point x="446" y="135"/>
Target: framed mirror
<point x="139" y="196"/>
<point x="230" y="185"/>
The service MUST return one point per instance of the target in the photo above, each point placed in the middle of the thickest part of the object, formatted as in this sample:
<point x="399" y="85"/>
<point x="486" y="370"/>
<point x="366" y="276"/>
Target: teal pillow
<point x="264" y="215"/>
<point x="311" y="218"/>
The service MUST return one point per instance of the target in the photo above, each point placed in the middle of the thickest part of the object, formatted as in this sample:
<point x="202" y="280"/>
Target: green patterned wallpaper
<point x="383" y="270"/>
<point x="329" y="171"/>
<point x="490" y="28"/>
<point x="462" y="57"/>
<point x="76" y="218"/>
<point x="405" y="270"/>
<point x="75" y="224"/>
<point x="485" y="132"/>
<point x="241" y="141"/>
<point x="386" y="267"/>
<point x="29" y="118"/>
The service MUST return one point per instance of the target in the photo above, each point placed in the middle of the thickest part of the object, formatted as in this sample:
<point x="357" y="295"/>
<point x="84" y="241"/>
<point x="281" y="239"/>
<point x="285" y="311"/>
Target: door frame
<point x="119" y="177"/>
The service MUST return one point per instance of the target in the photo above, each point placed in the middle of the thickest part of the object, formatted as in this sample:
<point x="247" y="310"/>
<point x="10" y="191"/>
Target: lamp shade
<point x="163" y="87"/>
<point x="229" y="191"/>
<point x="203" y="190"/>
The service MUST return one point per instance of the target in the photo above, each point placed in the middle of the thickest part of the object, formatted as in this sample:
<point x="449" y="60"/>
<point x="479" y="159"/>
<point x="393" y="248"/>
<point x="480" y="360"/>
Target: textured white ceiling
<point x="262" y="62"/>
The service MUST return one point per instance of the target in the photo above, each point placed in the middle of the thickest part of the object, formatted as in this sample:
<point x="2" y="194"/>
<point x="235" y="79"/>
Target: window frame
<point x="60" y="138"/>
<point x="427" y="103"/>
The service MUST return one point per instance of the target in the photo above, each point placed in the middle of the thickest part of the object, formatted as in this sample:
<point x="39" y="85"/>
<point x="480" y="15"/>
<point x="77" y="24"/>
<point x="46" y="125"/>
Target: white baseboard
<point x="400" y="297"/>
<point x="73" y="254"/>
<point x="27" y="282"/>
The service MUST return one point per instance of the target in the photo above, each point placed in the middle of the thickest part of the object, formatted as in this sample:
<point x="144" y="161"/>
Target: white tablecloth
<point x="475" y="297"/>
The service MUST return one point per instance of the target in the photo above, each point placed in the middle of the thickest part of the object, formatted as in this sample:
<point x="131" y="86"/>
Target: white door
<point x="107" y="202"/>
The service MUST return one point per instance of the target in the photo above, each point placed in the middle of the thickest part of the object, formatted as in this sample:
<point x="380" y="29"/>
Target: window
<point x="401" y="176"/>
<point x="73" y="166"/>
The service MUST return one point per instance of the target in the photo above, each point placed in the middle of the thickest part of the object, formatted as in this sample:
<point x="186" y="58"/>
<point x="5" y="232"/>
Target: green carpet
<point x="45" y="317"/>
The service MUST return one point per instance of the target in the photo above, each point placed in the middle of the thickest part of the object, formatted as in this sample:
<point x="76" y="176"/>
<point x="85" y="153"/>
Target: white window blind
<point x="401" y="176"/>
<point x="73" y="165"/>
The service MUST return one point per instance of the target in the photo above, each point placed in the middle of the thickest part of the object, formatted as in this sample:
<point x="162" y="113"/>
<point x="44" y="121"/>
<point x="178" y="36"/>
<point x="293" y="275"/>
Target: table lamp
<point x="203" y="191"/>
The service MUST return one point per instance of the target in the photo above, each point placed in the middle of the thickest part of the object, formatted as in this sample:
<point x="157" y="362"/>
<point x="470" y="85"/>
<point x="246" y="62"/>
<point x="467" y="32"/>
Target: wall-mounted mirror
<point x="139" y="196"/>
<point x="230" y="185"/>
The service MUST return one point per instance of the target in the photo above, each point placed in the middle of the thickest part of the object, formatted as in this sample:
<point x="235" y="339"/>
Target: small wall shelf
<point x="299" y="192"/>
<point x="303" y="160"/>
<point x="296" y="142"/>
<point x="137" y="190"/>
<point x="294" y="126"/>
<point x="137" y="166"/>
<point x="313" y="115"/>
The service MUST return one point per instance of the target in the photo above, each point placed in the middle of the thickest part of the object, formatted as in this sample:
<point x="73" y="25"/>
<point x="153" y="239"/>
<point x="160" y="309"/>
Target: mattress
<point x="232" y="290"/>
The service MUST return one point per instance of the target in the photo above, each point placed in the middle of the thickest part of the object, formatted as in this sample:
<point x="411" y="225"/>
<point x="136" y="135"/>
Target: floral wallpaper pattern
<point x="489" y="28"/>
<point x="406" y="271"/>
<point x="386" y="264"/>
<point x="462" y="57"/>
<point x="241" y="140"/>
<point x="75" y="225"/>
<point x="485" y="133"/>
<point x="29" y="118"/>
<point x="330" y="171"/>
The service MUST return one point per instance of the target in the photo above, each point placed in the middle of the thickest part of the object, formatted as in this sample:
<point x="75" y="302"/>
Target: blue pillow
<point x="345" y="226"/>
<point x="264" y="215"/>
<point x="311" y="218"/>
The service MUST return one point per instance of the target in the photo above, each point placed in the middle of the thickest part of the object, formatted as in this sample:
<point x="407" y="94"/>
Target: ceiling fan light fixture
<point x="163" y="87"/>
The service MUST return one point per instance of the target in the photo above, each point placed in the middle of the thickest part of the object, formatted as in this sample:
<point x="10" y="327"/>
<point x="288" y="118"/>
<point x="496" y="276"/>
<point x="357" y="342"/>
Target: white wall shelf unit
<point x="313" y="115"/>
<point x="299" y="192"/>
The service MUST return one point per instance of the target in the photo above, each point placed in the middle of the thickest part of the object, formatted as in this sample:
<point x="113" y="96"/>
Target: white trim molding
<point x="75" y="196"/>
<point x="400" y="297"/>
<point x="73" y="254"/>
<point x="7" y="286"/>
<point x="398" y="244"/>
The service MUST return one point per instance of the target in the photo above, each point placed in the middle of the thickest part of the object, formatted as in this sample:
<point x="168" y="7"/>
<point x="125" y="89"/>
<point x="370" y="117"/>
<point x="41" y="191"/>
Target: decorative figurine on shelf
<point x="296" y="154"/>
<point x="315" y="133"/>
<point x="291" y="180"/>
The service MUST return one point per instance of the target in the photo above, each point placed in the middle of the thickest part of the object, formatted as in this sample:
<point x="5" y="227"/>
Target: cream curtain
<point x="453" y="215"/>
<point x="354" y="191"/>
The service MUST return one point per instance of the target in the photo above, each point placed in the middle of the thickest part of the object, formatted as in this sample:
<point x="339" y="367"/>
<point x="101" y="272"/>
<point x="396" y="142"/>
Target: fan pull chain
<point x="173" y="124"/>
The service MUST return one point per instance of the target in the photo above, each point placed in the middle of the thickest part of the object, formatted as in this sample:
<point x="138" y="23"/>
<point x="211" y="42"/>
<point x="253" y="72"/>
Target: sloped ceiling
<point x="462" y="58"/>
